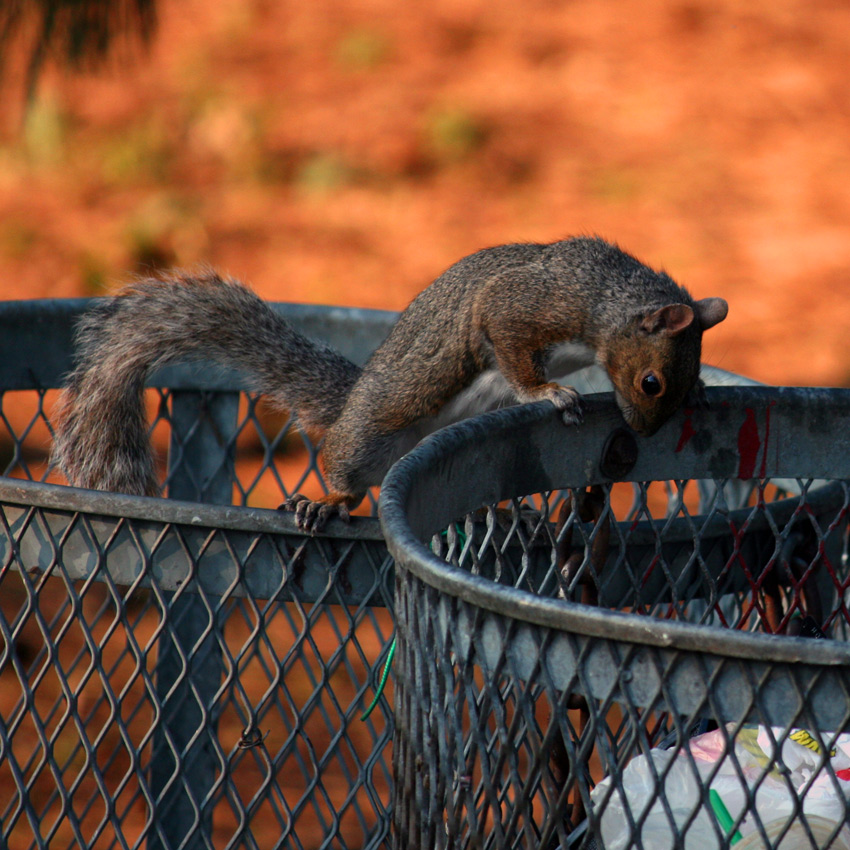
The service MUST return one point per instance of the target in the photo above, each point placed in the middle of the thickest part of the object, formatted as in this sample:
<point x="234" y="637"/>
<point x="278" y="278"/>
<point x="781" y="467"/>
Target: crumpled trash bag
<point x="804" y="777"/>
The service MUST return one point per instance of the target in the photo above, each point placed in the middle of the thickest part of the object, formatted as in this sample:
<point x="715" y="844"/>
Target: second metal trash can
<point x="588" y="664"/>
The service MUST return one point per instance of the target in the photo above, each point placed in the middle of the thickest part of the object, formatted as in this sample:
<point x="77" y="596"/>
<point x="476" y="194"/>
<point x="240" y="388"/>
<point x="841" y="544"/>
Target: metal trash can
<point x="660" y="662"/>
<point x="185" y="672"/>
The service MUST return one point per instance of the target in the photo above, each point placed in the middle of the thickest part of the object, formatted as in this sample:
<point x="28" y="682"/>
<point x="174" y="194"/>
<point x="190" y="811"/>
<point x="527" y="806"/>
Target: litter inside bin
<point x="774" y="769"/>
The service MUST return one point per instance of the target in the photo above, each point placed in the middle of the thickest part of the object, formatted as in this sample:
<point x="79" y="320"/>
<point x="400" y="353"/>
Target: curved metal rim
<point x="411" y="554"/>
<point x="148" y="508"/>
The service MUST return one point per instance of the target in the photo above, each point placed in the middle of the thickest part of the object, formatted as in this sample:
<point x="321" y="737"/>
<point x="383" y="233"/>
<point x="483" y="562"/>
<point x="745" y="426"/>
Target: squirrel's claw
<point x="568" y="402"/>
<point x="311" y="515"/>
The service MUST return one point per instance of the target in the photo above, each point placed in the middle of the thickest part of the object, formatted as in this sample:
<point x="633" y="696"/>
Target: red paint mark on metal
<point x="737" y="558"/>
<point x="763" y="472"/>
<point x="748" y="446"/>
<point x="688" y="431"/>
<point x="647" y="573"/>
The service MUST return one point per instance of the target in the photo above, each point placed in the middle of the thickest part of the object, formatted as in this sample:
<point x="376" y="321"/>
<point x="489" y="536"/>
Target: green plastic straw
<point x="384" y="676"/>
<point x="722" y="815"/>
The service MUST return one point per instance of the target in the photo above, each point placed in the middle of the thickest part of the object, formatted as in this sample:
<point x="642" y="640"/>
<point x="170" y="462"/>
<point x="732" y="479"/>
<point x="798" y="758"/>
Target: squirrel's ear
<point x="669" y="320"/>
<point x="711" y="311"/>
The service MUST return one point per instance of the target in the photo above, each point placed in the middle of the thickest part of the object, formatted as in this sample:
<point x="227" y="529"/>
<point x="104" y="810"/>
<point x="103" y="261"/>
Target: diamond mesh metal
<point x="264" y="695"/>
<point x="175" y="674"/>
<point x="582" y="668"/>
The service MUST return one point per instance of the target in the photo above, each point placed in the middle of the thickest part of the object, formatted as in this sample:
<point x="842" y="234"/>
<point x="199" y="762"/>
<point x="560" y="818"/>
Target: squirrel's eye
<point x="650" y="384"/>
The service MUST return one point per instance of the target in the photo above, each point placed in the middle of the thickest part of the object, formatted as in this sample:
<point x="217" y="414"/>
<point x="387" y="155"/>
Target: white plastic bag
<point x="795" y="768"/>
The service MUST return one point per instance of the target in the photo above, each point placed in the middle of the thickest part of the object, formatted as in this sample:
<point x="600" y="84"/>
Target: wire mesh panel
<point x="95" y="754"/>
<point x="588" y="664"/>
<point x="177" y="674"/>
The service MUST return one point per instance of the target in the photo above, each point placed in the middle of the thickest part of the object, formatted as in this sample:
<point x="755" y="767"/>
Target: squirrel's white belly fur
<point x="568" y="357"/>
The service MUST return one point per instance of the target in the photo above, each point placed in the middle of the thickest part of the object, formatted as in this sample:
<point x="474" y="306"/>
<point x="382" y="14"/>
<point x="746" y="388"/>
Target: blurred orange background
<point x="347" y="152"/>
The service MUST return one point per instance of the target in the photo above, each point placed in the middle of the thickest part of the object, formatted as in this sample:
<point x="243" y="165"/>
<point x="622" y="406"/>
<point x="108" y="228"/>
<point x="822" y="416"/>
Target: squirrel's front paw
<point x="567" y="401"/>
<point x="312" y="514"/>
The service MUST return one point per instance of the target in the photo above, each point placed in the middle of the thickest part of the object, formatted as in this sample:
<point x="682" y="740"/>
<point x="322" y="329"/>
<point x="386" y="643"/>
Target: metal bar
<point x="189" y="667"/>
<point x="246" y="551"/>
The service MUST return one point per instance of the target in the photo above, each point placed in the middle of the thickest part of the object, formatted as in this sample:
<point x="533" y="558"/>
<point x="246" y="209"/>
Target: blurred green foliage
<point x="362" y="49"/>
<point x="453" y="134"/>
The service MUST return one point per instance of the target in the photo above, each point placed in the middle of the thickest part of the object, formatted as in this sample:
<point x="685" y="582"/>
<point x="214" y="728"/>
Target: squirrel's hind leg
<point x="312" y="514"/>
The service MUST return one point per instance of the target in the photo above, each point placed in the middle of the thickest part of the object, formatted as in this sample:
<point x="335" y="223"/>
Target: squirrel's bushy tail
<point x="101" y="440"/>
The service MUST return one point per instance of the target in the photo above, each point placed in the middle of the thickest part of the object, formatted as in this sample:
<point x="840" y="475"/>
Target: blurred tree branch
<point x="78" y="34"/>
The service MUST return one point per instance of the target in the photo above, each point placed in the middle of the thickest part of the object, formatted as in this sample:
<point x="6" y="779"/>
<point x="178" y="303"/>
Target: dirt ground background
<point x="346" y="151"/>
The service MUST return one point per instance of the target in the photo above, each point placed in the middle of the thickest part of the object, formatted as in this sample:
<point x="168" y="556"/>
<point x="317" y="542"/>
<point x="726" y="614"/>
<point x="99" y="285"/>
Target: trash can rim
<point x="412" y="555"/>
<point x="60" y="497"/>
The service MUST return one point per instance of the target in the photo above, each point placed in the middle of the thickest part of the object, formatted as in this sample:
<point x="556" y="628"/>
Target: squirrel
<point x="490" y="331"/>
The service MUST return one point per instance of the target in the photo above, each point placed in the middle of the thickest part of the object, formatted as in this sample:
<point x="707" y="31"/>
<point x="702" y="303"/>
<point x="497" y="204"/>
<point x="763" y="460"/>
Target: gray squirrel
<point x="488" y="332"/>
